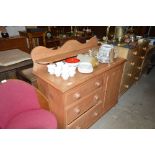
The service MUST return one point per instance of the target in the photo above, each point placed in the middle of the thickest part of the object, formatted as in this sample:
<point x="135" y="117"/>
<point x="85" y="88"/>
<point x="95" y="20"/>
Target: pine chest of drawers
<point x="133" y="68"/>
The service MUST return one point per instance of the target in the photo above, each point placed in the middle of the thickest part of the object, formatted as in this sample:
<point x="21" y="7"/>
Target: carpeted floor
<point x="135" y="108"/>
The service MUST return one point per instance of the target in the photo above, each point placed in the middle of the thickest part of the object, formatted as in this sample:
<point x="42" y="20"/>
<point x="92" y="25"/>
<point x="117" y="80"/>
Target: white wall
<point x="13" y="30"/>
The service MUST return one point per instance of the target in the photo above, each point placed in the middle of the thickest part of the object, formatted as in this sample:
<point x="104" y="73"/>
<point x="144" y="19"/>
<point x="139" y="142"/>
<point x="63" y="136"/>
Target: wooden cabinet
<point x="133" y="69"/>
<point x="13" y="43"/>
<point x="33" y="38"/>
<point x="112" y="84"/>
<point x="81" y="100"/>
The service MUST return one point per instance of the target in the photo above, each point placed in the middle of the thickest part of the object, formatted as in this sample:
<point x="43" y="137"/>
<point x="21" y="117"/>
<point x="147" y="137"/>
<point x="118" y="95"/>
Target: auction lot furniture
<point x="11" y="61"/>
<point x="81" y="100"/>
<point x="137" y="62"/>
<point x="16" y="42"/>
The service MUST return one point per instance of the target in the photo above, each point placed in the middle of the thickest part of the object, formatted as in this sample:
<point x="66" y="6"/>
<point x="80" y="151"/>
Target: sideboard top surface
<point x="65" y="85"/>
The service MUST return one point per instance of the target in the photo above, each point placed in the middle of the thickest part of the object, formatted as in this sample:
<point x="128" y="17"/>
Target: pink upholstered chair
<point x="20" y="107"/>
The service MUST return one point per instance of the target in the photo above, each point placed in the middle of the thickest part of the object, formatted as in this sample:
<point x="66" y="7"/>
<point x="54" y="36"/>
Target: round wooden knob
<point x="129" y="74"/>
<point x="135" y="53"/>
<point x="97" y="84"/>
<point x="132" y="63"/>
<point x="96" y="97"/>
<point x="126" y="86"/>
<point x="95" y="113"/>
<point x="77" y="95"/>
<point x="77" y="110"/>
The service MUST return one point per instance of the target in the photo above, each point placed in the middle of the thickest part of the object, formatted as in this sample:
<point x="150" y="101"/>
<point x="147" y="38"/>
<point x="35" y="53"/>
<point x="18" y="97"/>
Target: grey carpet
<point x="135" y="108"/>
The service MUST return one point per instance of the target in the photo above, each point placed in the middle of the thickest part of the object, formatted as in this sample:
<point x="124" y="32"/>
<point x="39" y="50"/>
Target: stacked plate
<point x="85" y="67"/>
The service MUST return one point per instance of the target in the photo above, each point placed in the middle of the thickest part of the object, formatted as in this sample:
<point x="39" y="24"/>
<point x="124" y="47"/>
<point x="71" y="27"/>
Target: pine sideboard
<point x="81" y="100"/>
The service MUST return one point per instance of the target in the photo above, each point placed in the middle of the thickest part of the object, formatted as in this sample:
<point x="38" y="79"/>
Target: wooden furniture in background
<point x="135" y="66"/>
<point x="81" y="100"/>
<point x="33" y="38"/>
<point x="13" y="43"/>
<point x="18" y="42"/>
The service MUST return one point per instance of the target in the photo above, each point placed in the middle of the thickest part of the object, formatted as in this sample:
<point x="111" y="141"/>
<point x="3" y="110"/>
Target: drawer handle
<point x="77" y="110"/>
<point x="142" y="57"/>
<point x="135" y="53"/>
<point x="97" y="84"/>
<point x="77" y="95"/>
<point x="139" y="68"/>
<point x="136" y="78"/>
<point x="96" y="97"/>
<point x="95" y="113"/>
<point x="126" y="86"/>
<point x="130" y="75"/>
<point x="144" y="48"/>
<point x="132" y="63"/>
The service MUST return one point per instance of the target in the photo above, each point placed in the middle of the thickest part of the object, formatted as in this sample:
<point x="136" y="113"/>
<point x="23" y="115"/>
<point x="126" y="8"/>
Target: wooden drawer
<point x="132" y="54"/>
<point x="142" y="51"/>
<point x="128" y="75"/>
<point x="81" y="106"/>
<point x="140" y="61"/>
<point x="129" y="66"/>
<point x="83" y="90"/>
<point x="88" y="118"/>
<point x="126" y="84"/>
<point x="136" y="75"/>
<point x="78" y="123"/>
<point x="93" y="115"/>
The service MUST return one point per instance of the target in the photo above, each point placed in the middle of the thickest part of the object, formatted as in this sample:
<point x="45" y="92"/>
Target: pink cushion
<point x="16" y="96"/>
<point x="33" y="119"/>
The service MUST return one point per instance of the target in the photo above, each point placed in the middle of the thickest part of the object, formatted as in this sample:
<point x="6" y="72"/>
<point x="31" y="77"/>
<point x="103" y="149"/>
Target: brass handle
<point x="139" y="68"/>
<point x="97" y="84"/>
<point x="135" y="53"/>
<point x="144" y="48"/>
<point x="132" y="63"/>
<point x="142" y="57"/>
<point x="77" y="95"/>
<point x="129" y="74"/>
<point x="136" y="78"/>
<point x="77" y="110"/>
<point x="126" y="86"/>
<point x="95" y="113"/>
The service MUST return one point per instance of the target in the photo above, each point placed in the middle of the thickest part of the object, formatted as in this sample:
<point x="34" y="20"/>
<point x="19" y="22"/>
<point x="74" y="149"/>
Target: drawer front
<point x="136" y="75"/>
<point x="88" y="118"/>
<point x="143" y="51"/>
<point x="140" y="61"/>
<point x="130" y="65"/>
<point x="83" y="90"/>
<point x="133" y="54"/>
<point x="81" y="106"/>
<point x="78" y="123"/>
<point x="126" y="84"/>
<point x="93" y="115"/>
